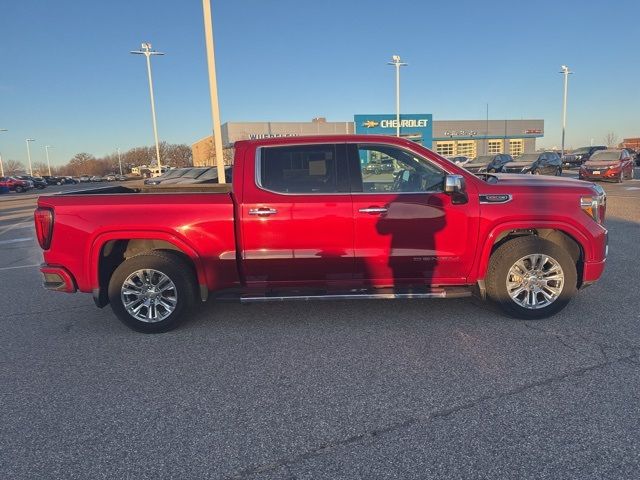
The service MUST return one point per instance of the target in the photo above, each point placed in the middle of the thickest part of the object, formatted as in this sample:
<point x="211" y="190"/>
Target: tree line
<point x="172" y="155"/>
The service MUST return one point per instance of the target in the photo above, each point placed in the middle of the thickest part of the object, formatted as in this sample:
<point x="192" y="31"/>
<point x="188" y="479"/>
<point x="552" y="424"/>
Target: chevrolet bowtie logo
<point x="370" y="124"/>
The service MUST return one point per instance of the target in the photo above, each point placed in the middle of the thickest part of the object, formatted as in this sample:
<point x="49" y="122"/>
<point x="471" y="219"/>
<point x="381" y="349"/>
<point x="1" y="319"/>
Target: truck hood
<point x="509" y="180"/>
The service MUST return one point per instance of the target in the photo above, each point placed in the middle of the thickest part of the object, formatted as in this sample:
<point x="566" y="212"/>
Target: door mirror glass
<point x="454" y="184"/>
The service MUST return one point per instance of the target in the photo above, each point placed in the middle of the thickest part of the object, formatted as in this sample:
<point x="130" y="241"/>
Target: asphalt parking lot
<point x="321" y="390"/>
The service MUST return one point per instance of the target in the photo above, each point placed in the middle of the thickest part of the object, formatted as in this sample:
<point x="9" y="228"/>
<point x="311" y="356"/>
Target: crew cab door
<point x="407" y="230"/>
<point x="297" y="217"/>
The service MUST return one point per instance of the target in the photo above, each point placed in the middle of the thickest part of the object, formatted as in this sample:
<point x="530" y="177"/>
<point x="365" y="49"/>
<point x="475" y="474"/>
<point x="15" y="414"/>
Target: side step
<point x="453" y="292"/>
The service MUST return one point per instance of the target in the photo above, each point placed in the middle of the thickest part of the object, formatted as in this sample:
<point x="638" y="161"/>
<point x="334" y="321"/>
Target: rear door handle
<point x="373" y="210"/>
<point x="262" y="212"/>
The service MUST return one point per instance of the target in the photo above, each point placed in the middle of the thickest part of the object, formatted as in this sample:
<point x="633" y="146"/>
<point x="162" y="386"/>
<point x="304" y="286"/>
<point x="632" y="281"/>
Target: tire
<point x="536" y="172"/>
<point x="19" y="189"/>
<point x="620" y="178"/>
<point x="180" y="296"/>
<point x="559" y="172"/>
<point x="503" y="260"/>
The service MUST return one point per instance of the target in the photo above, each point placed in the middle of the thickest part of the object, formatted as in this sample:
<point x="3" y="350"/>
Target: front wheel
<point x="531" y="278"/>
<point x="19" y="189"/>
<point x="152" y="292"/>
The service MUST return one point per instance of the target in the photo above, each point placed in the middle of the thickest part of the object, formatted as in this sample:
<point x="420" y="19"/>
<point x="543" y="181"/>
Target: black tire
<point x="507" y="255"/>
<point x="620" y="178"/>
<point x="178" y="271"/>
<point x="19" y="189"/>
<point x="559" y="172"/>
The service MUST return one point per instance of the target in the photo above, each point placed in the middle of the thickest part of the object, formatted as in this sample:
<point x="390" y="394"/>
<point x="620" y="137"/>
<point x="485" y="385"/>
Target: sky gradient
<point x="67" y="78"/>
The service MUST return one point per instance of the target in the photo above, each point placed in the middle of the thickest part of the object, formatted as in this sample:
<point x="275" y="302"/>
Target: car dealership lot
<point x="352" y="389"/>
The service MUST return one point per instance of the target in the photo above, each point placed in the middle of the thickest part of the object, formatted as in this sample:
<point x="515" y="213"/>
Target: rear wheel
<point x="152" y="292"/>
<point x="19" y="189"/>
<point x="531" y="278"/>
<point x="620" y="178"/>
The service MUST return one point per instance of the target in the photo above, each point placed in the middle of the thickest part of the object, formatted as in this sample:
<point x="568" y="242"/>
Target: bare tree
<point x="13" y="166"/>
<point x="611" y="140"/>
<point x="40" y="168"/>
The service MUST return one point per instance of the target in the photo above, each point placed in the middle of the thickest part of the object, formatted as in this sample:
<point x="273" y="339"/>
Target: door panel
<point x="406" y="230"/>
<point x="298" y="227"/>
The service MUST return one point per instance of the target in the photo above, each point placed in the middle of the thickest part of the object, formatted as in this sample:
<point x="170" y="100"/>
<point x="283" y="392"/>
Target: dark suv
<point x="545" y="163"/>
<point x="488" y="163"/>
<point x="580" y="155"/>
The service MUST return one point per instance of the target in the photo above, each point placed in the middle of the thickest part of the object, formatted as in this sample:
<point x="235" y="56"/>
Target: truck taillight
<point x="43" y="218"/>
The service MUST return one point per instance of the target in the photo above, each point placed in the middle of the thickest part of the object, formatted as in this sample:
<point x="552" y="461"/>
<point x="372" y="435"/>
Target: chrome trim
<point x="354" y="296"/>
<point x="258" y="169"/>
<point x="262" y="211"/>
<point x="373" y="210"/>
<point x="486" y="202"/>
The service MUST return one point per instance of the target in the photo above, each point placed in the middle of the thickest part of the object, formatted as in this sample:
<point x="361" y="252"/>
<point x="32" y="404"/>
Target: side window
<point x="301" y="169"/>
<point x="390" y="169"/>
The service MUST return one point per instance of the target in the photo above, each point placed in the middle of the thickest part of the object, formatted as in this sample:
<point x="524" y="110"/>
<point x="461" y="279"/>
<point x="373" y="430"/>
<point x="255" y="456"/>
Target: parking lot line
<point x="15" y="225"/>
<point x="15" y="240"/>
<point x="20" y="266"/>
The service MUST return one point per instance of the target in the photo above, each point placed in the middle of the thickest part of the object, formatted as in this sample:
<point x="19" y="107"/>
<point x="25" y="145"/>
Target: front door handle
<point x="373" y="210"/>
<point x="262" y="212"/>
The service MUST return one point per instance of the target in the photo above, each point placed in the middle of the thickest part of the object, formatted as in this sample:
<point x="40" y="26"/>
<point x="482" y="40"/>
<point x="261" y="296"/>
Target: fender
<point x="98" y="242"/>
<point x="482" y="263"/>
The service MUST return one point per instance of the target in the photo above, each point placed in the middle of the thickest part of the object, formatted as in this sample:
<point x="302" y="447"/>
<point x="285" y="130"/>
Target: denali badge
<point x="495" y="198"/>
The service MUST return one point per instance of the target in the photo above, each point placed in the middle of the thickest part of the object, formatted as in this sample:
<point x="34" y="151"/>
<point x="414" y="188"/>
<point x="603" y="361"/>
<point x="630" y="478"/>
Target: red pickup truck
<point x="306" y="219"/>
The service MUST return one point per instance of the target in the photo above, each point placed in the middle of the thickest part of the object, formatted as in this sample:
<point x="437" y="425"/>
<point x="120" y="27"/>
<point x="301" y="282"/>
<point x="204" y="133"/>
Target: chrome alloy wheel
<point x="149" y="295"/>
<point x="535" y="281"/>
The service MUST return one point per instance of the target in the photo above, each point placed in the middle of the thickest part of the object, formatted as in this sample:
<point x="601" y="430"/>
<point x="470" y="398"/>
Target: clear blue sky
<point x="67" y="79"/>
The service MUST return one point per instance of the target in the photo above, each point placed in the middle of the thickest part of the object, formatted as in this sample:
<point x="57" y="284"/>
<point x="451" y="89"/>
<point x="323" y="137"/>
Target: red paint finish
<point x="324" y="239"/>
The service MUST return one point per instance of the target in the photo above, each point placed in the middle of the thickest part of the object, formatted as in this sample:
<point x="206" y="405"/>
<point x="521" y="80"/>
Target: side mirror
<point x="454" y="187"/>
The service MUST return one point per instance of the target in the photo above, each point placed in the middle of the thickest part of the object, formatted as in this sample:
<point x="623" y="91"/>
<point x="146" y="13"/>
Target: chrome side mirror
<point x="454" y="186"/>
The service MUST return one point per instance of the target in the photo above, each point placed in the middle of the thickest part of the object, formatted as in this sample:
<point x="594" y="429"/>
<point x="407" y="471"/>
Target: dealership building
<point x="446" y="137"/>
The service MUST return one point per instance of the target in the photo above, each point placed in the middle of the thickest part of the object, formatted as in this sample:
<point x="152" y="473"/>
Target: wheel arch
<point x="111" y="250"/>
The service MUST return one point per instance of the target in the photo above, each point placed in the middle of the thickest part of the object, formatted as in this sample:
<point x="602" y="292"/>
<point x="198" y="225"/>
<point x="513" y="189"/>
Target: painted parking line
<point x="14" y="226"/>
<point x="15" y="240"/>
<point x="19" y="266"/>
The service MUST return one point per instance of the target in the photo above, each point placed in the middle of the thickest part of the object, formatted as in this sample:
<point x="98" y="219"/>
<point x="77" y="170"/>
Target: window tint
<point x="405" y="173"/>
<point x="300" y="169"/>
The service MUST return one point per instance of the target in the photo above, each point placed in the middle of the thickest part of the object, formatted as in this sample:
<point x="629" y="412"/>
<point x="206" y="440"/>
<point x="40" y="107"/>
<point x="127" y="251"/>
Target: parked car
<point x="304" y="221"/>
<point x="121" y="178"/>
<point x="488" y="163"/>
<point x="169" y="174"/>
<point x="51" y="180"/>
<point x="459" y="159"/>
<point x="36" y="182"/>
<point x="545" y="163"/>
<point x="191" y="174"/>
<point x="96" y="178"/>
<point x="85" y="178"/>
<point x="110" y="178"/>
<point x="580" y="155"/>
<point x="209" y="176"/>
<point x="379" y="165"/>
<point x="608" y="165"/>
<point x="15" y="184"/>
<point x="70" y="180"/>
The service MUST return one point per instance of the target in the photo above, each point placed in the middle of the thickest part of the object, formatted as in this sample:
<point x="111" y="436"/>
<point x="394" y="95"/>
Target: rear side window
<point x="303" y="169"/>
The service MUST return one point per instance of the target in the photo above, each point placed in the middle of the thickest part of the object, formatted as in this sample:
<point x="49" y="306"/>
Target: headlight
<point x="594" y="205"/>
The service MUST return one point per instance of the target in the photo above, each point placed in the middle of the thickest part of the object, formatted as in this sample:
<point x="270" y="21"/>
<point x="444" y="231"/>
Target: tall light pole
<point x="29" y="140"/>
<point x="147" y="52"/>
<point x="564" y="71"/>
<point x="1" y="165"/>
<point x="397" y="62"/>
<point x="119" y="160"/>
<point x="213" y="89"/>
<point x="46" y="149"/>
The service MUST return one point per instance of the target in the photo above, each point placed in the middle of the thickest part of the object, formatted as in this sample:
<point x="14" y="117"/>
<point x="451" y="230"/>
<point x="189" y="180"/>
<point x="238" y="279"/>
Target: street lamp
<point x="564" y="71"/>
<point x="119" y="160"/>
<point x="147" y="52"/>
<point x="2" y="166"/>
<point x="46" y="149"/>
<point x="28" y="140"/>
<point x="213" y="89"/>
<point x="397" y="62"/>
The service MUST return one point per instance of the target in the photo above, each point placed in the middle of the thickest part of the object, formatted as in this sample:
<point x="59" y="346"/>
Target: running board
<point x="438" y="293"/>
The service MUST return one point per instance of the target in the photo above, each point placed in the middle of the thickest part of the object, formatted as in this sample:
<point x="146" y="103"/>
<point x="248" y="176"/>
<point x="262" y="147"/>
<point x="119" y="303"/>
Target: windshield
<point x="581" y="151"/>
<point x="605" y="155"/>
<point x="528" y="157"/>
<point x="482" y="159"/>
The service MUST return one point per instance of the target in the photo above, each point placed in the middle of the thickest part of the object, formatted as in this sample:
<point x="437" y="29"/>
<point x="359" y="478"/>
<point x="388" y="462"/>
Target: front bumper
<point x="57" y="279"/>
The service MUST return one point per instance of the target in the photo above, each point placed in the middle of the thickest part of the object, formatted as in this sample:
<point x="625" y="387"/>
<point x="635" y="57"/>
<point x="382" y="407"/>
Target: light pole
<point x="397" y="62"/>
<point x="29" y="140"/>
<point x="46" y="149"/>
<point x="1" y="165"/>
<point x="147" y="52"/>
<point x="213" y="89"/>
<point x="119" y="160"/>
<point x="564" y="71"/>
